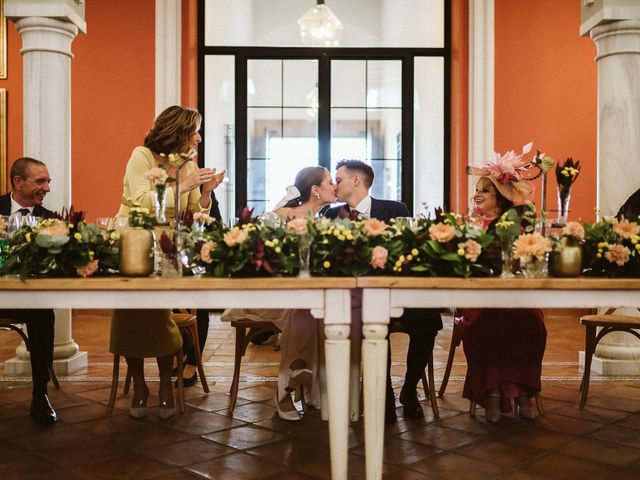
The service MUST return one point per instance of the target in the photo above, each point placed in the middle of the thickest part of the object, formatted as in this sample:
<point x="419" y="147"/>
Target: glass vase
<point x="304" y="254"/>
<point x="564" y="197"/>
<point x="160" y="205"/>
<point x="171" y="254"/>
<point x="507" y="263"/>
<point x="535" y="267"/>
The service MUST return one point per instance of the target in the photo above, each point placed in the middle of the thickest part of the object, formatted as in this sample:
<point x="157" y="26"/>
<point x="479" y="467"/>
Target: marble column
<point x="618" y="61"/>
<point x="47" y="30"/>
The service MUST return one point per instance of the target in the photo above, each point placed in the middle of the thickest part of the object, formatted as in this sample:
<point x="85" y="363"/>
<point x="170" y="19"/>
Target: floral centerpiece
<point x="612" y="248"/>
<point x="160" y="179"/>
<point x="566" y="174"/>
<point x="532" y="250"/>
<point x="62" y="247"/>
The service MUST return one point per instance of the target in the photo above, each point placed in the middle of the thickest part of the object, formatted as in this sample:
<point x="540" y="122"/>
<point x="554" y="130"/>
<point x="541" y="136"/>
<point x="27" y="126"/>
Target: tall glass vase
<point x="507" y="262"/>
<point x="304" y="253"/>
<point x="160" y="205"/>
<point x="564" y="197"/>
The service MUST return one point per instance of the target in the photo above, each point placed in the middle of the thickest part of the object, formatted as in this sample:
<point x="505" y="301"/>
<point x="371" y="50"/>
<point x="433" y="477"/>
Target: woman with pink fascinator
<point x="503" y="347"/>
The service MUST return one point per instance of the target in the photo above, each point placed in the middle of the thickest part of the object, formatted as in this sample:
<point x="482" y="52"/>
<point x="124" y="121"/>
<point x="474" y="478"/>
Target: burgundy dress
<point x="503" y="347"/>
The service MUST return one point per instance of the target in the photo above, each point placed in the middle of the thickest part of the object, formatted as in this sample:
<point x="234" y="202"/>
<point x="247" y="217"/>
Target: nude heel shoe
<point x="139" y="408"/>
<point x="291" y="415"/>
<point x="525" y="409"/>
<point x="492" y="408"/>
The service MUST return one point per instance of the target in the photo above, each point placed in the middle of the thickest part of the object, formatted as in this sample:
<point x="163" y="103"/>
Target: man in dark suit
<point x="29" y="185"/>
<point x="353" y="181"/>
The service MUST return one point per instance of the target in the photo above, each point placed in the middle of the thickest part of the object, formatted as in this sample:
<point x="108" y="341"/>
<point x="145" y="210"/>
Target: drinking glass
<point x="103" y="223"/>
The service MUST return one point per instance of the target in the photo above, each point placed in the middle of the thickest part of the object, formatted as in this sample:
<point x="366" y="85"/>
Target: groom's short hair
<point x="359" y="166"/>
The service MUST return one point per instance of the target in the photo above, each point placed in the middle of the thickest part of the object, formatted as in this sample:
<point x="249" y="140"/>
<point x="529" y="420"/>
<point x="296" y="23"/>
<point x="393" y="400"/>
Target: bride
<point x="313" y="188"/>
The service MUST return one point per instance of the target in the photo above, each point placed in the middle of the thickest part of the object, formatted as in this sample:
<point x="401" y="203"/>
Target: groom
<point x="353" y="181"/>
<point x="30" y="184"/>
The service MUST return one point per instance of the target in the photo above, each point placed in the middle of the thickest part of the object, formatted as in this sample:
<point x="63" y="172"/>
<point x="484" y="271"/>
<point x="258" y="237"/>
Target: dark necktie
<point x="353" y="214"/>
<point x="24" y="212"/>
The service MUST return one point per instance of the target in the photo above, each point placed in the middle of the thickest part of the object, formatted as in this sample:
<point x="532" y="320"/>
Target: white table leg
<point x="356" y="354"/>
<point x="337" y="346"/>
<point x="375" y="316"/>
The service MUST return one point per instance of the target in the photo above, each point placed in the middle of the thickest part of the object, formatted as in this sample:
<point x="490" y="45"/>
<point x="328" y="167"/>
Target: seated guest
<point x="504" y="347"/>
<point x="137" y="334"/>
<point x="353" y="181"/>
<point x="29" y="185"/>
<point x="313" y="188"/>
<point x="630" y="209"/>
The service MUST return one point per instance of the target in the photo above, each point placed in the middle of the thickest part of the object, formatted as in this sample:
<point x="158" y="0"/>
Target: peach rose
<point x="374" y="227"/>
<point x="203" y="218"/>
<point x="379" y="257"/>
<point x="573" y="229"/>
<point x="205" y="251"/>
<point x="297" y="225"/>
<point x="531" y="245"/>
<point x="53" y="227"/>
<point x="626" y="229"/>
<point x="235" y="236"/>
<point x="157" y="175"/>
<point x="88" y="270"/>
<point x="472" y="249"/>
<point x="441" y="232"/>
<point x="618" y="254"/>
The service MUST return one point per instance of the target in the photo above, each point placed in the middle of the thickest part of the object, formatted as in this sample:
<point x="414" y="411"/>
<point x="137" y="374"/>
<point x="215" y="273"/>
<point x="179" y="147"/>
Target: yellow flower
<point x="113" y="236"/>
<point x="276" y="241"/>
<point x="27" y="237"/>
<point x="599" y="255"/>
<point x="461" y="252"/>
<point x="278" y="249"/>
<point x="325" y="241"/>
<point x="349" y="236"/>
<point x="77" y="236"/>
<point x="401" y="258"/>
<point x="414" y="252"/>
<point x="341" y="227"/>
<point x="268" y="243"/>
<point x="341" y="238"/>
<point x="326" y="264"/>
<point x="91" y="254"/>
<point x="409" y="257"/>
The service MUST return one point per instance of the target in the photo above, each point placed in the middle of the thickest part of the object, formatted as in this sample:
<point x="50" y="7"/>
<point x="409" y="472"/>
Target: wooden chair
<point x="246" y="330"/>
<point x="10" y="324"/>
<point x="456" y="340"/>
<point x="608" y="322"/>
<point x="428" y="385"/>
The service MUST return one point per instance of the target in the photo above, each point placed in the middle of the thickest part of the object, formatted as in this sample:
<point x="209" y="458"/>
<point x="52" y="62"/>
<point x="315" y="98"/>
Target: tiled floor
<point x="603" y="441"/>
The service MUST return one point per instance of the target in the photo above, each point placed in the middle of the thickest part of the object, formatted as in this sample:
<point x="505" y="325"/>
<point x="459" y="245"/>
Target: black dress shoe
<point x="42" y="411"/>
<point x="189" y="381"/>
<point x="411" y="406"/>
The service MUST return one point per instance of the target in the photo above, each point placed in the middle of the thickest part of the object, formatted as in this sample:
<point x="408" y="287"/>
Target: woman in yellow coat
<point x="137" y="334"/>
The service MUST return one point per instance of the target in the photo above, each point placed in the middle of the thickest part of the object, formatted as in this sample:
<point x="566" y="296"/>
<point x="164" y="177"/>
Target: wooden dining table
<point x="328" y="299"/>
<point x="386" y="297"/>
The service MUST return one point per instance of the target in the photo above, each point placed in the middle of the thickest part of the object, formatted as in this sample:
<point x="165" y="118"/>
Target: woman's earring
<point x="317" y="195"/>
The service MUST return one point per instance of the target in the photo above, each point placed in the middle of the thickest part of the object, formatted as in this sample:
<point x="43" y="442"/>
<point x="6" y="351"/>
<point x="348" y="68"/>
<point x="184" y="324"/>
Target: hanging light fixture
<point x="320" y="27"/>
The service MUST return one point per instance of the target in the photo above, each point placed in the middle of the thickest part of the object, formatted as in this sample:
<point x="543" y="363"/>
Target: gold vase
<point x="567" y="260"/>
<point x="136" y="252"/>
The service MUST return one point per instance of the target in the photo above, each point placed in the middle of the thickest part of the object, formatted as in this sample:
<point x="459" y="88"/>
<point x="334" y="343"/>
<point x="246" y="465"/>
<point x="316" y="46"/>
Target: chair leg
<point x="589" y="348"/>
<point x="180" y="360"/>
<point x="127" y="381"/>
<point x="114" y="384"/>
<point x="455" y="341"/>
<point x="196" y="351"/>
<point x="432" y="390"/>
<point x="233" y="393"/>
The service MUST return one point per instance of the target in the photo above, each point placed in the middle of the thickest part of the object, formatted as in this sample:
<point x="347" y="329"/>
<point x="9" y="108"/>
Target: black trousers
<point x="202" y="323"/>
<point x="422" y="325"/>
<point x="41" y="331"/>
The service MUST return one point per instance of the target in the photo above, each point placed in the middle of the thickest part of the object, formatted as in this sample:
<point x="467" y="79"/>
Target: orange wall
<point x="545" y="91"/>
<point x="112" y="99"/>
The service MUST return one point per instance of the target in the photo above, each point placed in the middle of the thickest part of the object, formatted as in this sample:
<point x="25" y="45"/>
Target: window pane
<point x="367" y="23"/>
<point x="429" y="132"/>
<point x="387" y="178"/>
<point x="300" y="84"/>
<point x="264" y="83"/>
<point x="219" y="136"/>
<point x="348" y="83"/>
<point x="262" y="124"/>
<point x="384" y="130"/>
<point x="348" y="135"/>
<point x="384" y="83"/>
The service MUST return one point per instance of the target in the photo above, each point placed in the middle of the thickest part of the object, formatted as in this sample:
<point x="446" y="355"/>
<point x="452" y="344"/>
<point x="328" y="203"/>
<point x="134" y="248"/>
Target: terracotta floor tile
<point x="128" y="467"/>
<point x="198" y="422"/>
<point x="75" y="454"/>
<point x="246" y="437"/>
<point x="52" y="436"/>
<point x="595" y="450"/>
<point x="556" y="466"/>
<point x="186" y="453"/>
<point x="402" y="452"/>
<point x="238" y="465"/>
<point x="439" y="437"/>
<point x="254" y="412"/>
<point x="452" y="466"/>
<point x="499" y="452"/>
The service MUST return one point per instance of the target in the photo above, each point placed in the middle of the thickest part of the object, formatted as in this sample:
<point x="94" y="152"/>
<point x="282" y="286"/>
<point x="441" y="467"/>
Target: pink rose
<point x="529" y="245"/>
<point x="618" y="254"/>
<point x="573" y="229"/>
<point x="88" y="270"/>
<point x="626" y="229"/>
<point x="379" y="257"/>
<point x="472" y="249"/>
<point x="157" y="175"/>
<point x="205" y="251"/>
<point x="53" y="227"/>
<point x="297" y="225"/>
<point x="374" y="227"/>
<point x="441" y="232"/>
<point x="235" y="236"/>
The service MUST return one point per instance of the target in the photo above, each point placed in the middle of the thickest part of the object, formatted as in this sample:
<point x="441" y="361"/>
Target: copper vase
<point x="567" y="260"/>
<point x="136" y="252"/>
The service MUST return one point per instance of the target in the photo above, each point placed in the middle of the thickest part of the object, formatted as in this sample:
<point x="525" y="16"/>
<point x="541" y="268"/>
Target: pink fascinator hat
<point x="506" y="172"/>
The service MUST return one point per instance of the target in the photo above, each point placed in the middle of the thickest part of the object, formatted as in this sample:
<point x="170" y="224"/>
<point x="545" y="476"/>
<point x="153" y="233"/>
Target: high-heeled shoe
<point x="492" y="408"/>
<point x="525" y="409"/>
<point x="139" y="407"/>
<point x="167" y="407"/>
<point x="188" y="381"/>
<point x="291" y="415"/>
<point x="299" y="377"/>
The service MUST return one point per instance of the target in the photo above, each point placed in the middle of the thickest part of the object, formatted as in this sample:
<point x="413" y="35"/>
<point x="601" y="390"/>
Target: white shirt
<point x="364" y="207"/>
<point x="15" y="206"/>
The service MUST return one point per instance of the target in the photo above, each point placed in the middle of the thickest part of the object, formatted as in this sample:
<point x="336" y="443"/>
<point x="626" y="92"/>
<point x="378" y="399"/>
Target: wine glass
<point x="103" y="223"/>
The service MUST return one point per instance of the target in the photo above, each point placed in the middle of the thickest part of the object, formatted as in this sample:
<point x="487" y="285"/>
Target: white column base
<point x="610" y="367"/>
<point x="17" y="367"/>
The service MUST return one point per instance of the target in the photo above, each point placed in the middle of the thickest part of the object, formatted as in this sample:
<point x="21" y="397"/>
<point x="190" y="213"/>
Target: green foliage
<point x="612" y="248"/>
